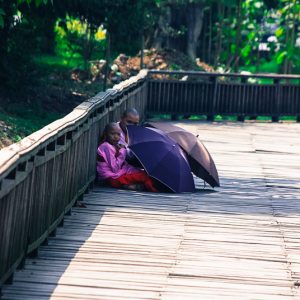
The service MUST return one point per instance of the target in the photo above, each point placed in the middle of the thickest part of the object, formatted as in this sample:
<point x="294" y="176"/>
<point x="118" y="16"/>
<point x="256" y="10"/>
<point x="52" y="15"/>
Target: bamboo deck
<point x="240" y="241"/>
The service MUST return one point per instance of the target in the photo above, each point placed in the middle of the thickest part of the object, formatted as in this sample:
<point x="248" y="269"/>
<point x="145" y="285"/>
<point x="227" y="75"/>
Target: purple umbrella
<point x="161" y="157"/>
<point x="199" y="158"/>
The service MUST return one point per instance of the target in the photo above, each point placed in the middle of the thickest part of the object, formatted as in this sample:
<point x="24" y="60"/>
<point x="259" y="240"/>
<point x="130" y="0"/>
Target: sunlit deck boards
<point x="238" y="242"/>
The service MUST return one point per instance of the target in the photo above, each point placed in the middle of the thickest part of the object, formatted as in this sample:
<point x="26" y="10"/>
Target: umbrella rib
<point x="151" y="175"/>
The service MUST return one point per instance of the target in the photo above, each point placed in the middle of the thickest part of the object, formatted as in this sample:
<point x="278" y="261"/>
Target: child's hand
<point x="118" y="148"/>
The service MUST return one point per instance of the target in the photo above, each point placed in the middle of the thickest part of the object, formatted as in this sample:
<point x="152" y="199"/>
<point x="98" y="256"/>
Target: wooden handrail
<point x="231" y="75"/>
<point x="11" y="154"/>
<point x="43" y="175"/>
<point x="210" y="94"/>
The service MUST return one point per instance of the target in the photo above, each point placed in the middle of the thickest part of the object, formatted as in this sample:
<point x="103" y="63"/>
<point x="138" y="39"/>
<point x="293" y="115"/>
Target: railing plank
<point x="43" y="175"/>
<point x="222" y="97"/>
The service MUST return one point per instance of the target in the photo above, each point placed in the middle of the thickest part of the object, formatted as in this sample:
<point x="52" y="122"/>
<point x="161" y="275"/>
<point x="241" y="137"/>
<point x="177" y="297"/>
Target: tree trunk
<point x="161" y="34"/>
<point x="287" y="40"/>
<point x="194" y="16"/>
<point x="209" y="56"/>
<point x="7" y="6"/>
<point x="238" y="37"/>
<point x="88" y="45"/>
<point x="257" y="62"/>
<point x="219" y="34"/>
<point x="107" y="55"/>
<point x="202" y="43"/>
<point x="230" y="12"/>
<point x="142" y="51"/>
<point x="293" y="36"/>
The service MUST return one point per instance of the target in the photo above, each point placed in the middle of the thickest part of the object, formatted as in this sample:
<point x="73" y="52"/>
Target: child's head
<point x="130" y="117"/>
<point x="112" y="133"/>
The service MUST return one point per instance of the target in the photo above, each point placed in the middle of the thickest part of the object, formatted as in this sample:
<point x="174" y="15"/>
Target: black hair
<point x="128" y="111"/>
<point x="107" y="128"/>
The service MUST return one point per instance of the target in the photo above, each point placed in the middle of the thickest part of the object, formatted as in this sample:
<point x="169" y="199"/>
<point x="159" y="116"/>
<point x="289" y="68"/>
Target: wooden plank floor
<point x="240" y="241"/>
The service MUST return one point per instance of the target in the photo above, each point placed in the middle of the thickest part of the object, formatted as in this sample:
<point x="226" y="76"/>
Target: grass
<point x="58" y="62"/>
<point x="60" y="68"/>
<point x="219" y="118"/>
<point x="264" y="67"/>
<point x="268" y="67"/>
<point x="288" y="118"/>
<point x="21" y="126"/>
<point x="225" y="118"/>
<point x="50" y="97"/>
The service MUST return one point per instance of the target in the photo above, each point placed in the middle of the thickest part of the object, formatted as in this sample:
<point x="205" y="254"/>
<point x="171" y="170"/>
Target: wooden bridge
<point x="239" y="241"/>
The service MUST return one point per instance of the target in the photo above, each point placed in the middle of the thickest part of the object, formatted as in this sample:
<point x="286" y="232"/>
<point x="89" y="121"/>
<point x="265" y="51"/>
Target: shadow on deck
<point x="237" y="242"/>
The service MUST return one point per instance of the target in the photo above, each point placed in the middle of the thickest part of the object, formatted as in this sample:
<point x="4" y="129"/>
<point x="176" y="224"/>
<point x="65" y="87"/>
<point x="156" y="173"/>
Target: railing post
<point x="52" y="233"/>
<point x="213" y="82"/>
<point x="34" y="253"/>
<point x="61" y="223"/>
<point x="276" y="81"/>
<point x="241" y="117"/>
<point x="10" y="279"/>
<point x="21" y="265"/>
<point x="174" y="117"/>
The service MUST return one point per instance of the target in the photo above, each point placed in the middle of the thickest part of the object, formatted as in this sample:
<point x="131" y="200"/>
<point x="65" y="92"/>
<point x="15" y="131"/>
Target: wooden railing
<point x="200" y="93"/>
<point x="42" y="176"/>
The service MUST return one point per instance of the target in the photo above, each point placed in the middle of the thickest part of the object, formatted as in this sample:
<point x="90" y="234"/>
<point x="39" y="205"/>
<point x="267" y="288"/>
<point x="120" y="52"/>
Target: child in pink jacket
<point x="112" y="166"/>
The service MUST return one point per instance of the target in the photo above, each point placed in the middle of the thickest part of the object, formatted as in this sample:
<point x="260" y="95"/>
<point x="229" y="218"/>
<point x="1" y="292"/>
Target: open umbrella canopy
<point x="199" y="158"/>
<point x="161" y="157"/>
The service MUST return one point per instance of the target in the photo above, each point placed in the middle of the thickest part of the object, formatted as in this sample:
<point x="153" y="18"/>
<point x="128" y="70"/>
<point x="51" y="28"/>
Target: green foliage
<point x="174" y="67"/>
<point x="220" y="118"/>
<point x="78" y="30"/>
<point x="288" y="118"/>
<point x="258" y="23"/>
<point x="74" y="37"/>
<point x="279" y="32"/>
<point x="263" y="67"/>
<point x="280" y="56"/>
<point x="16" y="66"/>
<point x="2" y="14"/>
<point x="246" y="51"/>
<point x="12" y="9"/>
<point x="22" y="121"/>
<point x="37" y="2"/>
<point x="19" y="43"/>
<point x="57" y="63"/>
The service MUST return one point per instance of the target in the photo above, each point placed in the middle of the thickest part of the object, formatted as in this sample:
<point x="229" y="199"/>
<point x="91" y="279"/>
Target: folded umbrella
<point x="161" y="157"/>
<point x="199" y="158"/>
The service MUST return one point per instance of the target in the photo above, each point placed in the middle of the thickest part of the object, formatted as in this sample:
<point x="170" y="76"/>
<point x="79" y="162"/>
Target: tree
<point x="16" y="35"/>
<point x="289" y="54"/>
<point x="180" y="21"/>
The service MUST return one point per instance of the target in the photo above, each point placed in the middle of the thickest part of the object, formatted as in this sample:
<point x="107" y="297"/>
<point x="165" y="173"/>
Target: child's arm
<point x="112" y="157"/>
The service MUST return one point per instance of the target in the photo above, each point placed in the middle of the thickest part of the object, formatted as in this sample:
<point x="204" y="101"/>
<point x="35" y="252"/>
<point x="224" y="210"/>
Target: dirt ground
<point x="167" y="59"/>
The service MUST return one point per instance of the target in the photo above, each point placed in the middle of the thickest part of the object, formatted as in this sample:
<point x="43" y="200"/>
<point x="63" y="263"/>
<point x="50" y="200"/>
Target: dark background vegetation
<point x="53" y="54"/>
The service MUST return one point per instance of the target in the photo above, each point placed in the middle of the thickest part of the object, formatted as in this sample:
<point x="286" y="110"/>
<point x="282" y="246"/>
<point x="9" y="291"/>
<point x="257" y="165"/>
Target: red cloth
<point x="134" y="178"/>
